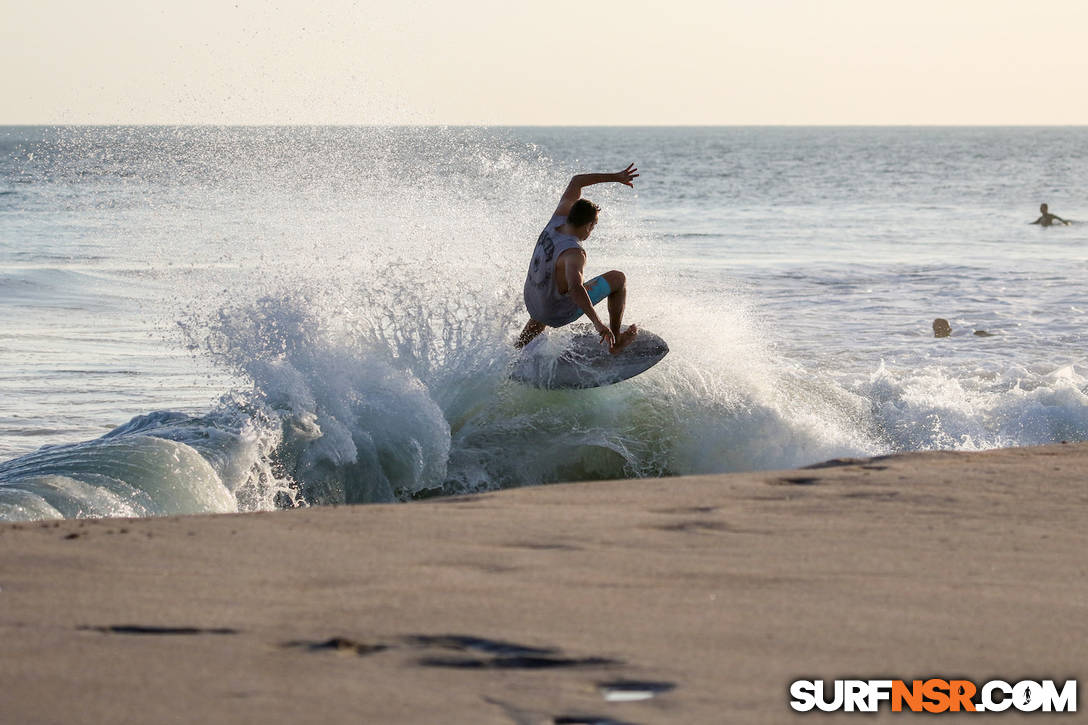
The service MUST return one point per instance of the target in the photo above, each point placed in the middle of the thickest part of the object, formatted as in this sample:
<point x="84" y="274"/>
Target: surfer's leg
<point x="617" y="301"/>
<point x="532" y="329"/>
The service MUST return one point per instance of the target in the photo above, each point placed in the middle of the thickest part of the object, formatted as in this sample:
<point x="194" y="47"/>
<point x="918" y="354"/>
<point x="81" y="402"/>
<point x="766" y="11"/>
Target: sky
<point x="520" y="62"/>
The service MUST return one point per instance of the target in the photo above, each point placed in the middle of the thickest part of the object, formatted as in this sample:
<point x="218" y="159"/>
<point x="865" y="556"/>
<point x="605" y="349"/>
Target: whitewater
<point x="214" y="319"/>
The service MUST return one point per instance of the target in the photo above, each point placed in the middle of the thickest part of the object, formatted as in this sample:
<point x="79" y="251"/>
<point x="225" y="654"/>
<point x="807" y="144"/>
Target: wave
<point x="383" y="407"/>
<point x="56" y="289"/>
<point x="411" y="400"/>
<point x="933" y="408"/>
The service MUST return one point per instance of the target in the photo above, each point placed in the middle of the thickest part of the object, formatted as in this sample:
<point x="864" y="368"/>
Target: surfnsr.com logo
<point x="933" y="696"/>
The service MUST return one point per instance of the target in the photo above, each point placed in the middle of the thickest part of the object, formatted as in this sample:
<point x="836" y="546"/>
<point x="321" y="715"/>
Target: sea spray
<point x="411" y="397"/>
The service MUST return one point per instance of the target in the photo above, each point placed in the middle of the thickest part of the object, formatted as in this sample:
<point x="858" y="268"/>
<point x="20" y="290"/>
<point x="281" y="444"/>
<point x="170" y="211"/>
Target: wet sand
<point x="516" y="606"/>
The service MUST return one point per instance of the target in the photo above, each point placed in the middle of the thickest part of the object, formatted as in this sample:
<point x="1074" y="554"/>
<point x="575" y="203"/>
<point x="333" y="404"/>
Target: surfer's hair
<point x="583" y="212"/>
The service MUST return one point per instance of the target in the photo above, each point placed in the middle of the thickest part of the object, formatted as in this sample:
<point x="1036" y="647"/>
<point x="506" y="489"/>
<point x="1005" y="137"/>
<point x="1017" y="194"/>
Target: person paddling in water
<point x="1047" y="218"/>
<point x="555" y="294"/>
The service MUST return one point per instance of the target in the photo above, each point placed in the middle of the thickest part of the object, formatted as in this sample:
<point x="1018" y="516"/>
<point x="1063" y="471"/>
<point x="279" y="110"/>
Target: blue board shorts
<point x="598" y="289"/>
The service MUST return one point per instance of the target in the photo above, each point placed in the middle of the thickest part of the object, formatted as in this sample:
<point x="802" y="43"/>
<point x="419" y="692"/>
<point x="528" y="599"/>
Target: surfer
<point x="555" y="294"/>
<point x="1047" y="218"/>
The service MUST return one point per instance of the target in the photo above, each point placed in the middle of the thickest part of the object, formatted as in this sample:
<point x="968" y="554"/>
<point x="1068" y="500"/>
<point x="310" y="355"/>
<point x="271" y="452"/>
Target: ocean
<point x="214" y="319"/>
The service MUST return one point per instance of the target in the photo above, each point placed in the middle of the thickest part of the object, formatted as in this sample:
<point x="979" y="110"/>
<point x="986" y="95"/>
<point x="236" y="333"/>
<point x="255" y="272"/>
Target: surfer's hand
<point x="607" y="338"/>
<point x="627" y="176"/>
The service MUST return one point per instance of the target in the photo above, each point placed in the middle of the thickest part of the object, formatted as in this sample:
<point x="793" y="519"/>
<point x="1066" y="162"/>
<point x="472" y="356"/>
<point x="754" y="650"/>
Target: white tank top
<point x="542" y="298"/>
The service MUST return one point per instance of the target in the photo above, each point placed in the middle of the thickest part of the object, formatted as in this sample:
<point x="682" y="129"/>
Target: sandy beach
<point x="714" y="592"/>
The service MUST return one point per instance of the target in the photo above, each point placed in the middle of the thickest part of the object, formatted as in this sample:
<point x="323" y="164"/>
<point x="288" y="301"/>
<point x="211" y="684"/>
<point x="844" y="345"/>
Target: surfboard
<point x="581" y="361"/>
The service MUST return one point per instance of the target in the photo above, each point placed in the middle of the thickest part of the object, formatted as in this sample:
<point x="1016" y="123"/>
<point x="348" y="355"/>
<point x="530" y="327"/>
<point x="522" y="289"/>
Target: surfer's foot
<point x="624" y="339"/>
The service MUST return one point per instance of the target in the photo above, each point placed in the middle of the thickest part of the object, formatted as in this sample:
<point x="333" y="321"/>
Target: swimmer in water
<point x="941" y="328"/>
<point x="1047" y="218"/>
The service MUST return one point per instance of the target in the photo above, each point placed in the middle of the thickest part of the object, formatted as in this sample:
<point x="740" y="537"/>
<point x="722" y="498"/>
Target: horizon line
<point x="203" y="124"/>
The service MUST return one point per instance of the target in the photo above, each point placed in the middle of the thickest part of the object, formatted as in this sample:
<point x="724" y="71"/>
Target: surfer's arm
<point x="573" y="264"/>
<point x="581" y="181"/>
